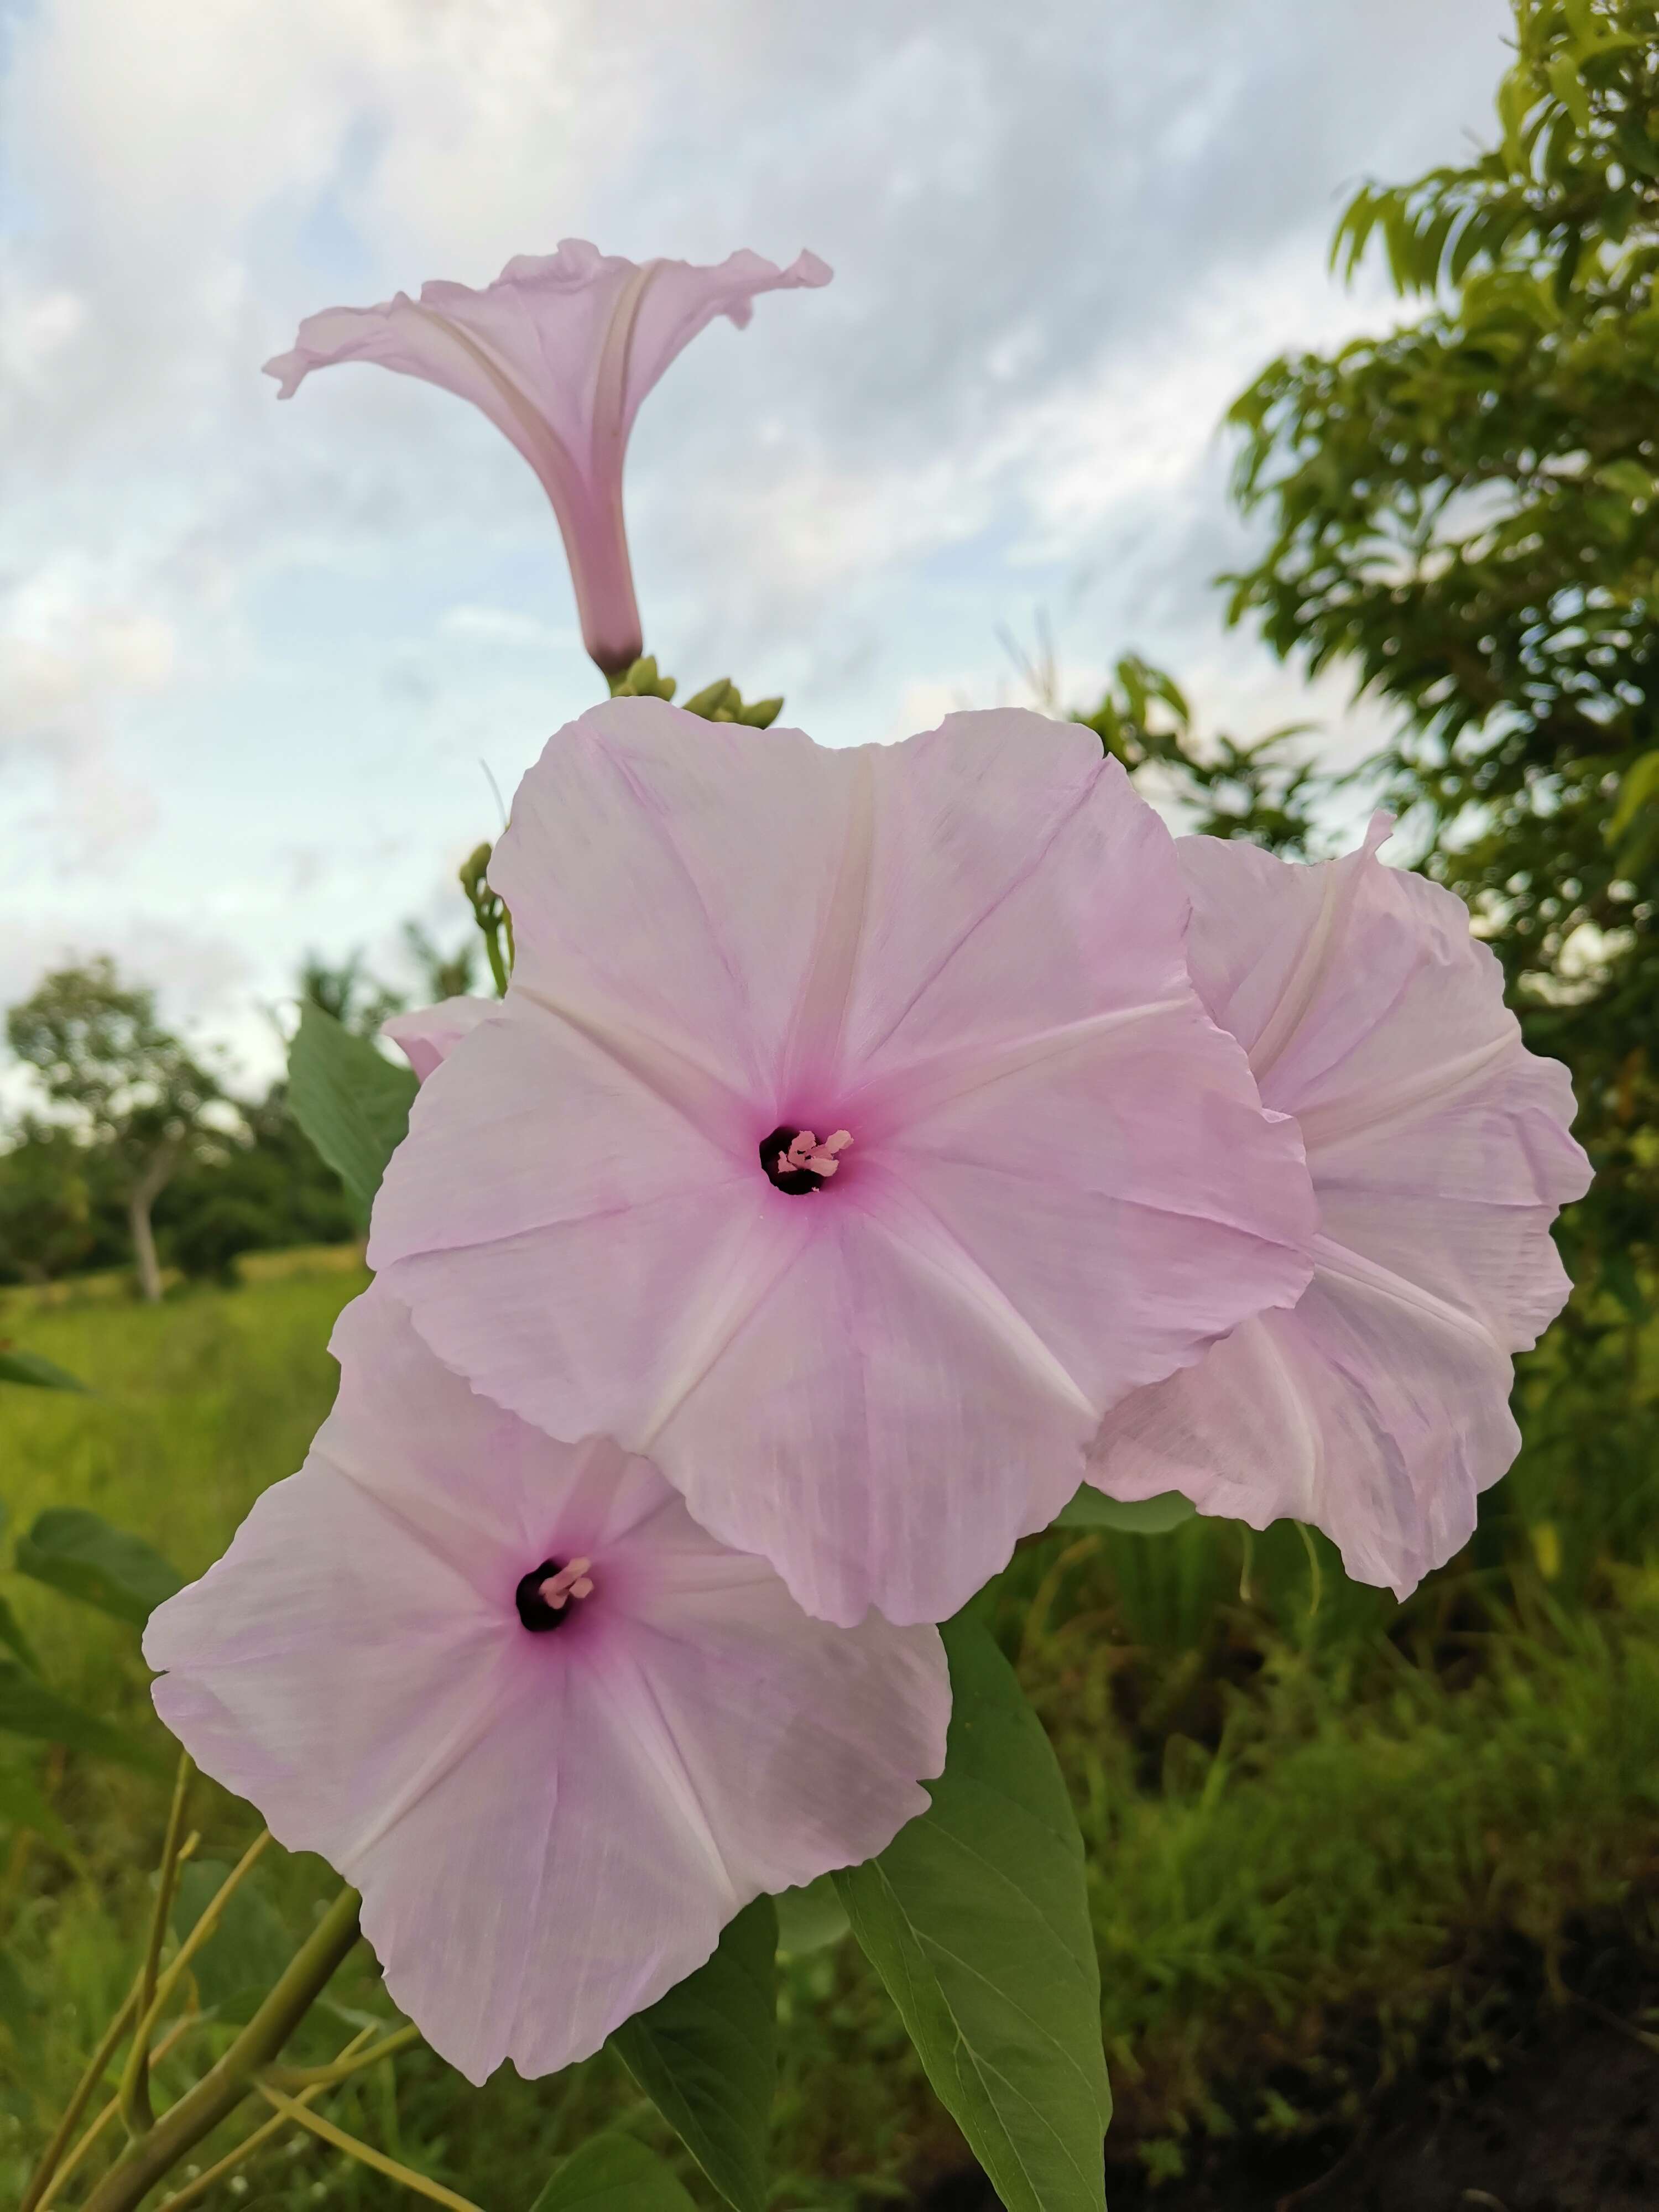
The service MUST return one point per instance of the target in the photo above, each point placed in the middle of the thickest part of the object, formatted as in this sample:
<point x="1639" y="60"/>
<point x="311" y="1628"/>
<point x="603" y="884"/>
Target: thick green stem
<point x="200" y="2110"/>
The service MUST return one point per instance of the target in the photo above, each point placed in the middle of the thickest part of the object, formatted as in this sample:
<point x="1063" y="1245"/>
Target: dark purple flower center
<point x="797" y="1163"/>
<point x="546" y="1596"/>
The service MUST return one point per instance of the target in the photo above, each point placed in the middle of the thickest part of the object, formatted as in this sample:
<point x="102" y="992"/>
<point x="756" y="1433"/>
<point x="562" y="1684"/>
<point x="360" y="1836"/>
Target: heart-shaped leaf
<point x="1140" y="1516"/>
<point x="28" y="1708"/>
<point x="613" y="2173"/>
<point x="350" y="1100"/>
<point x="707" y="2056"/>
<point x="80" y="1554"/>
<point x="977" y="1917"/>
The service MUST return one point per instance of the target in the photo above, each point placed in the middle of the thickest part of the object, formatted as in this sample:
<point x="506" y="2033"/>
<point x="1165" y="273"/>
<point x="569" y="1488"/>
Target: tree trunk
<point x="157" y="1174"/>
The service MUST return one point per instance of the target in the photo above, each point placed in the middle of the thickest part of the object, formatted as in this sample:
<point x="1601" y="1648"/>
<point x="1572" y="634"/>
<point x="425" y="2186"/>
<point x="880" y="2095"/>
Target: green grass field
<point x="1310" y="1813"/>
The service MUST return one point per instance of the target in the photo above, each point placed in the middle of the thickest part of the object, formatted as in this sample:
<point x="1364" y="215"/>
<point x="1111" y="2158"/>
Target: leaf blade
<point x="1140" y="1516"/>
<point x="350" y="1100"/>
<point x="79" y="1554"/>
<point x="976" y="1918"/>
<point x="706" y="2054"/>
<point x="613" y="2173"/>
<point x="28" y="1708"/>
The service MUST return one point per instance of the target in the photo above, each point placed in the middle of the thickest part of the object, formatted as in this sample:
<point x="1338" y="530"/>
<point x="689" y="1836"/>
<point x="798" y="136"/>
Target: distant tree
<point x="47" y="1225"/>
<point x="1265" y="790"/>
<point x="1465" y="511"/>
<point x="347" y="990"/>
<point x="443" y="975"/>
<point x="127" y="1086"/>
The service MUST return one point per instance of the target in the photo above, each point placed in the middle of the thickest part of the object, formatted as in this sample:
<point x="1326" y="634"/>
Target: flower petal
<point x="431" y="1033"/>
<point x="549" y="1831"/>
<point x="1440" y="1153"/>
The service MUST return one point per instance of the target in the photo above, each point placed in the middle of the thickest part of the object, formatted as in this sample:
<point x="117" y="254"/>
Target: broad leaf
<point x="812" y="1917"/>
<point x="350" y="1100"/>
<point x="28" y="1708"/>
<point x="976" y="1918"/>
<point x="1140" y="1516"/>
<point x="80" y="1554"/>
<point x="707" y="2056"/>
<point x="613" y="2173"/>
<point x="29" y="1367"/>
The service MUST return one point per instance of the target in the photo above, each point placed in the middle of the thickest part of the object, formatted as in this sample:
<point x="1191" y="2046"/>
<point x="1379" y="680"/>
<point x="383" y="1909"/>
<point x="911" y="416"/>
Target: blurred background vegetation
<point x="1338" y="1845"/>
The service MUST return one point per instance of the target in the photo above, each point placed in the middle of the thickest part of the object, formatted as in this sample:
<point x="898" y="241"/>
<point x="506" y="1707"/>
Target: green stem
<point x="375" y="2159"/>
<point x="219" y="2092"/>
<point x="135" y="2079"/>
<point x="289" y="2079"/>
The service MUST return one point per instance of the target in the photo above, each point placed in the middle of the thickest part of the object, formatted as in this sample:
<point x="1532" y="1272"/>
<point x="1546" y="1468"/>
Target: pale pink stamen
<point x="574" y="1581"/>
<point x="805" y="1156"/>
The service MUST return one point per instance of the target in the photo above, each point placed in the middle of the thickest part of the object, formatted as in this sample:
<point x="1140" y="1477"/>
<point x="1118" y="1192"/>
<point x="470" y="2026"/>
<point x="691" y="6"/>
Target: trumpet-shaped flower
<point x="851" y="1137"/>
<point x="554" y="1732"/>
<point x="558" y="352"/>
<point x="1378" y="1408"/>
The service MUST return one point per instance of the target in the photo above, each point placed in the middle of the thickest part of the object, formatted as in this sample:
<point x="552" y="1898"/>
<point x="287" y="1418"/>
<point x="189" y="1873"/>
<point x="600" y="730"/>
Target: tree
<point x="47" y="1218"/>
<point x="1466" y="511"/>
<point x="349" y="992"/>
<point x="1261" y="790"/>
<point x="127" y="1086"/>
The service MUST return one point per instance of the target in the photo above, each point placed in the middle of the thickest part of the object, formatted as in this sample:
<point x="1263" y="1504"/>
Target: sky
<point x="263" y="666"/>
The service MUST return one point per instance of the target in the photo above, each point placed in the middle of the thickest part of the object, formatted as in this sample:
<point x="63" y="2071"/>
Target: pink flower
<point x="548" y="1829"/>
<point x="1439" y="1145"/>
<point x="429" y="1034"/>
<point x="961" y="957"/>
<point x="558" y="352"/>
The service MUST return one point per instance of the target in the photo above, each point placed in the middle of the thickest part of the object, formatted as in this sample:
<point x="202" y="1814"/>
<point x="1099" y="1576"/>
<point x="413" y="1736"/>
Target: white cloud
<point x="284" y="636"/>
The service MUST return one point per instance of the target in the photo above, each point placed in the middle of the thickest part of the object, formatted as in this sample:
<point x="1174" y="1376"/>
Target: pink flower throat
<point x="797" y="1163"/>
<point x="544" y="1596"/>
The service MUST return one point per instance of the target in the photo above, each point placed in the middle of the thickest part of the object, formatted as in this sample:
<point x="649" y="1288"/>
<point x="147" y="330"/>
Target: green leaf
<point x="28" y="1708"/>
<point x="613" y="2173"/>
<point x="80" y="1554"/>
<point x="1569" y="88"/>
<point x="976" y="1918"/>
<point x="707" y="2056"/>
<point x="350" y="1100"/>
<point x="812" y="1917"/>
<point x="1627" y="477"/>
<point x="1142" y="1516"/>
<point x="12" y="1636"/>
<point x="41" y="1374"/>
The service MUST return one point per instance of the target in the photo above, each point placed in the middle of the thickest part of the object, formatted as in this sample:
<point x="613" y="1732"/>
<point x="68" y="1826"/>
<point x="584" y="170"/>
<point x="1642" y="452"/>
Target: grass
<point x="1310" y="1812"/>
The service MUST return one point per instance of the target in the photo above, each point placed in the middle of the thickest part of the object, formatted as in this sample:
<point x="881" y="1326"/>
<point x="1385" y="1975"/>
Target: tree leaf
<point x="42" y="1374"/>
<point x="28" y="1708"/>
<point x="707" y="2056"/>
<point x="350" y="1100"/>
<point x="1143" y="1516"/>
<point x="976" y="1918"/>
<point x="78" y="1553"/>
<point x="613" y="2173"/>
<point x="1639" y="788"/>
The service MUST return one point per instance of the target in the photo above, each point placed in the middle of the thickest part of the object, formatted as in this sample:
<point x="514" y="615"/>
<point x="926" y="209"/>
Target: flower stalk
<point x="235" y="2075"/>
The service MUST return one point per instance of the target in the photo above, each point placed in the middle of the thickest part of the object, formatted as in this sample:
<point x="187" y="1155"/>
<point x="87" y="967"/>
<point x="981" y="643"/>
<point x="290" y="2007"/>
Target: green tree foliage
<point x="1464" y="512"/>
<point x="1263" y="790"/>
<point x="47" y="1222"/>
<point x="127" y="1087"/>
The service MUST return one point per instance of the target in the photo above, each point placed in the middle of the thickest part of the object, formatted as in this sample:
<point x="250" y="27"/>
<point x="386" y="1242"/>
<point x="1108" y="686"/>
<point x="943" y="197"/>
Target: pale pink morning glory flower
<point x="554" y="1732"/>
<point x="1440" y="1154"/>
<point x="1037" y="1176"/>
<point x="558" y="352"/>
<point x="427" y="1035"/>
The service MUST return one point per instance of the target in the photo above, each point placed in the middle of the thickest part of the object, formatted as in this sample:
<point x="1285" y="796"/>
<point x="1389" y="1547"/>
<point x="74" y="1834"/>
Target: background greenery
<point x="1322" y="1827"/>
